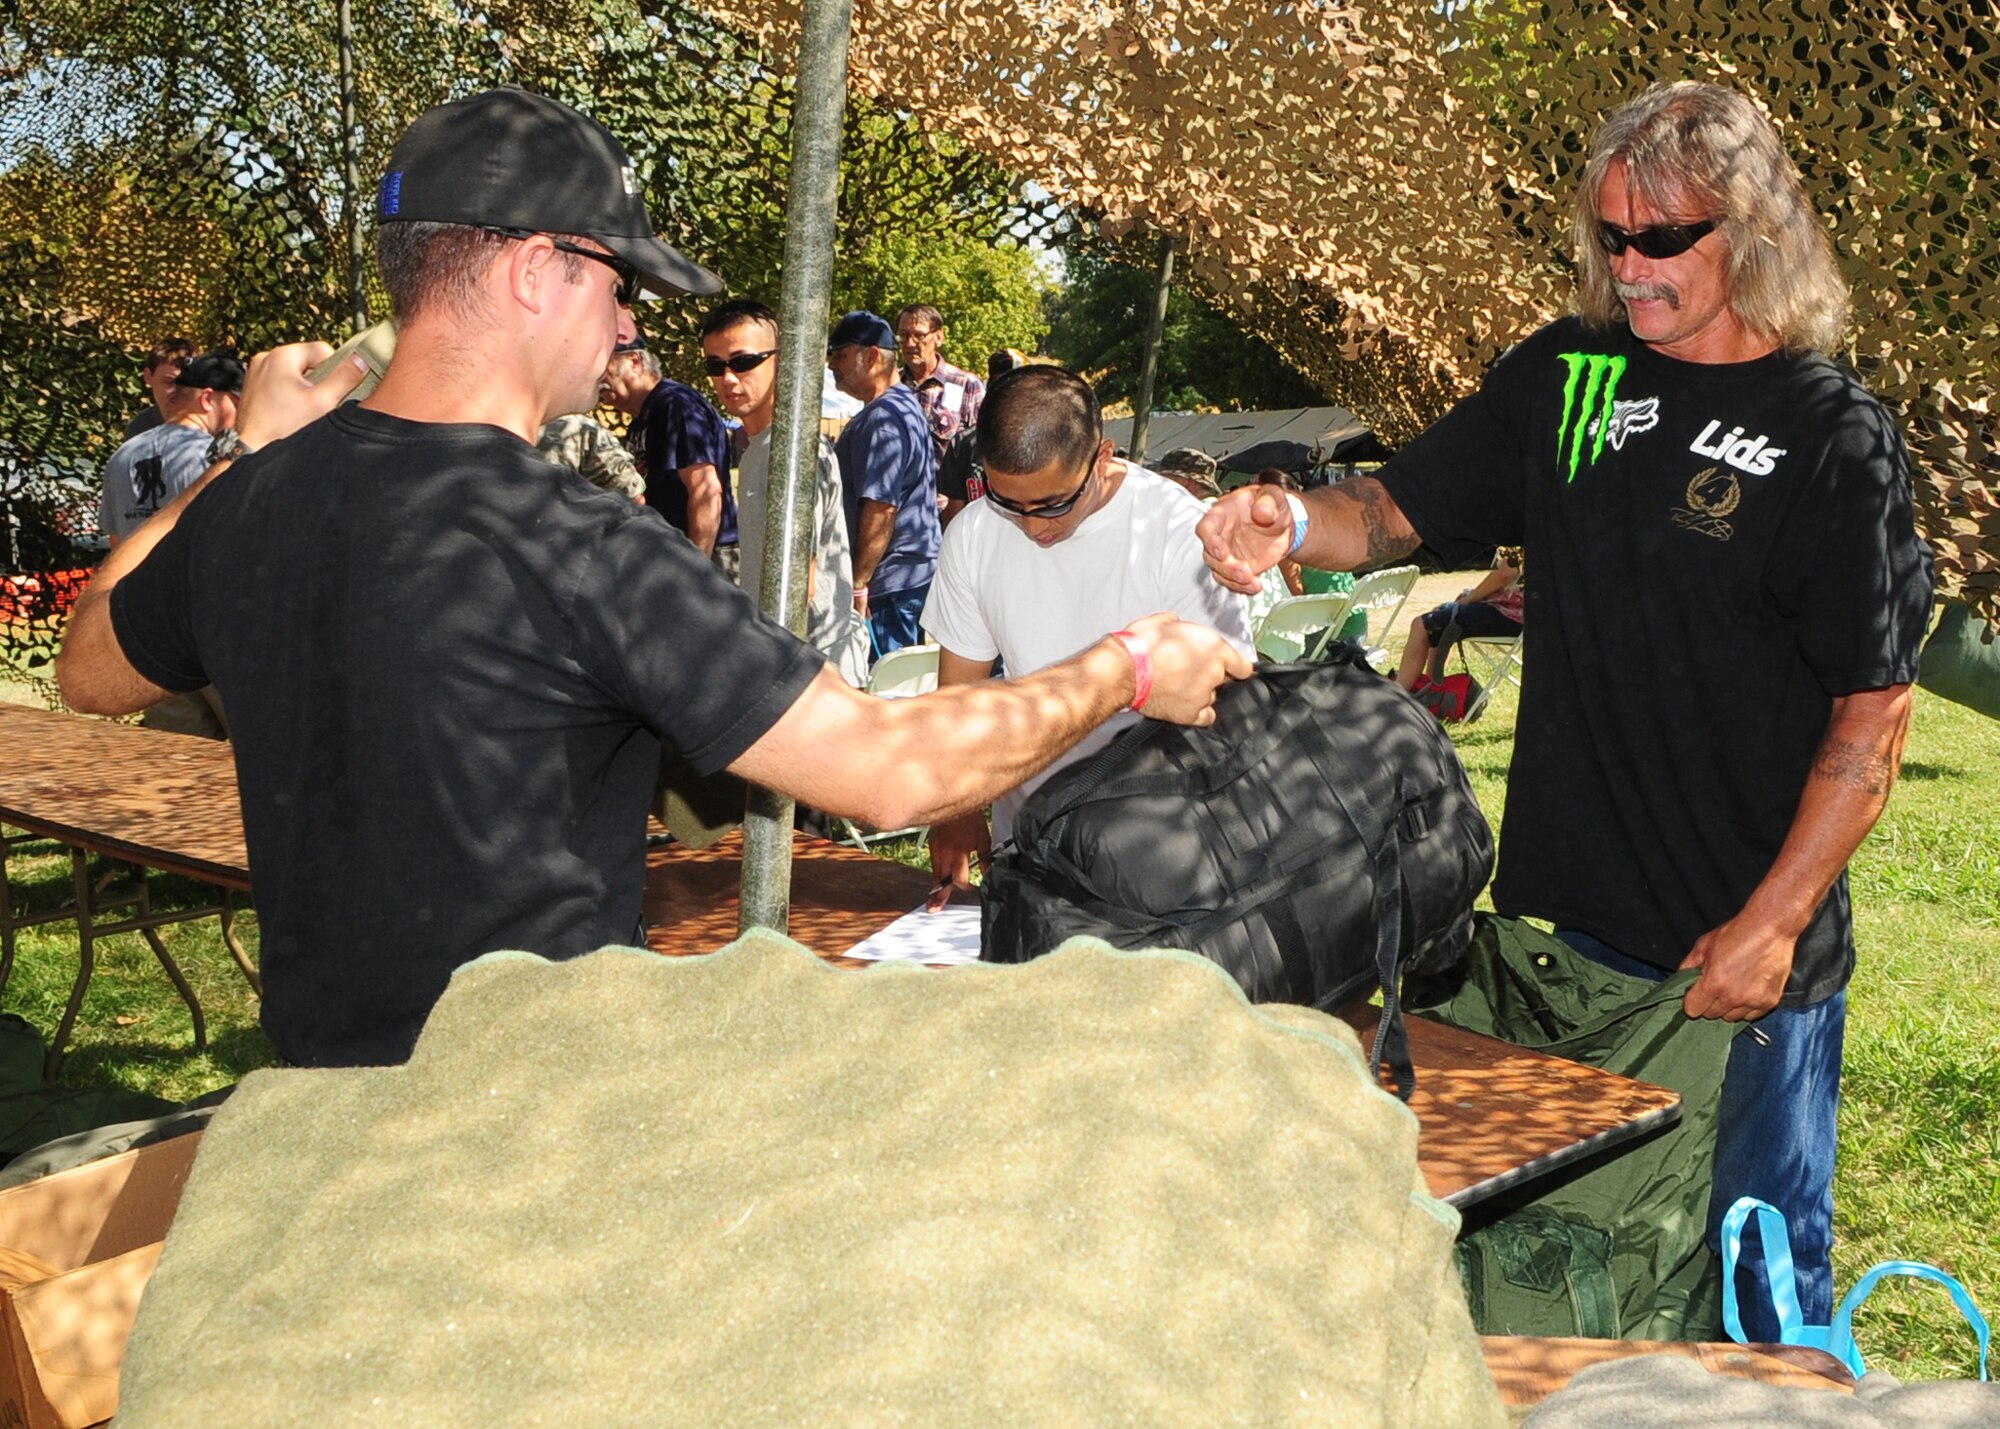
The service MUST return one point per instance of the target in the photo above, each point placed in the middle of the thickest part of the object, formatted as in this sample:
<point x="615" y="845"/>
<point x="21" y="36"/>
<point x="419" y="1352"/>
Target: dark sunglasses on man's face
<point x="1048" y="510"/>
<point x="627" y="291"/>
<point x="1666" y="240"/>
<point x="739" y="362"/>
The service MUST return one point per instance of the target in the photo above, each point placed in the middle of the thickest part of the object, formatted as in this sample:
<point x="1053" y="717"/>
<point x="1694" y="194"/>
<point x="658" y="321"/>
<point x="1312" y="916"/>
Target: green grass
<point x="1919" y="1173"/>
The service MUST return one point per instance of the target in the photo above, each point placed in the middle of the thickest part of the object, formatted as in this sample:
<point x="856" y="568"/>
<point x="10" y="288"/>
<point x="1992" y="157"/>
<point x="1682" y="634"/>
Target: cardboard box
<point x="76" y="1251"/>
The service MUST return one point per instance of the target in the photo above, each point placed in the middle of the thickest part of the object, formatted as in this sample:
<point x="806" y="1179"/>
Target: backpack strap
<point x="1447" y="637"/>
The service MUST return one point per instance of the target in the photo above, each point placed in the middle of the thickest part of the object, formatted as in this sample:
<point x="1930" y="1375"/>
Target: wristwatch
<point x="227" y="446"/>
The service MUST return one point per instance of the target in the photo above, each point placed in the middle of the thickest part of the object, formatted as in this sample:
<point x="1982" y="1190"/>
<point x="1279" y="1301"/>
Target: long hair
<point x="1691" y="146"/>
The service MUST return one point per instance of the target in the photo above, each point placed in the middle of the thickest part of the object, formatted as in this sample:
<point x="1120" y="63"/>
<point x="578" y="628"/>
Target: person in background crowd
<point x="888" y="464"/>
<point x="1721" y="515"/>
<point x="739" y="342"/>
<point x="950" y="395"/>
<point x="151" y="469"/>
<point x="682" y="449"/>
<point x="1490" y="609"/>
<point x="586" y="447"/>
<point x="163" y="364"/>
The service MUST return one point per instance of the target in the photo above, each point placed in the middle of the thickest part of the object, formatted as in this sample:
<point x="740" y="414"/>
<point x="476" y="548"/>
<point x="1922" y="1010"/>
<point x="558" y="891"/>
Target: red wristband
<point x="1142" y="667"/>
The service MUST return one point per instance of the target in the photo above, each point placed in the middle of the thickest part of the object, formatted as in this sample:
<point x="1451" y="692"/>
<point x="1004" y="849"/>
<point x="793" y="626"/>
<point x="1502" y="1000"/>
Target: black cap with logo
<point x="510" y="159"/>
<point x="212" y="369"/>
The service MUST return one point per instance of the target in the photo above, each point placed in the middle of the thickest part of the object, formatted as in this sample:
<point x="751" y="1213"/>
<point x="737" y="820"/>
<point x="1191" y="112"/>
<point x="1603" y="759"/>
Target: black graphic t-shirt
<point x="1719" y="552"/>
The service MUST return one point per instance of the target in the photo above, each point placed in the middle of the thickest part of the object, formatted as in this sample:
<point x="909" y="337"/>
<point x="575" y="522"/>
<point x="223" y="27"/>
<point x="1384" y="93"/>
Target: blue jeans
<point x="1775" y="1139"/>
<point x="894" y="620"/>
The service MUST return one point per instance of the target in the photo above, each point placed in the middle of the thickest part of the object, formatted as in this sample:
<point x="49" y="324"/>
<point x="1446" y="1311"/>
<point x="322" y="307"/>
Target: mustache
<point x="1641" y="292"/>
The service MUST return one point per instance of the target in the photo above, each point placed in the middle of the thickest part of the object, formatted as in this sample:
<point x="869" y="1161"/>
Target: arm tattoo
<point x="1861" y="767"/>
<point x="1372" y="506"/>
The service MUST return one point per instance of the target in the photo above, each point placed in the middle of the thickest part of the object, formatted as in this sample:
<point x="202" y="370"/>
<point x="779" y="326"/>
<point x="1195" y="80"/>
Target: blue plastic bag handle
<point x="1836" y="1339"/>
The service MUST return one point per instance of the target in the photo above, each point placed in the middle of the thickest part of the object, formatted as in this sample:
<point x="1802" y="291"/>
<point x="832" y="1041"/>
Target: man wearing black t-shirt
<point x="1729" y="599"/>
<point x="450" y="664"/>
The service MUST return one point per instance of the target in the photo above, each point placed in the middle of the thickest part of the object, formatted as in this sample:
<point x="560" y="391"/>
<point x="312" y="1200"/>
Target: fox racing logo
<point x="1626" y="419"/>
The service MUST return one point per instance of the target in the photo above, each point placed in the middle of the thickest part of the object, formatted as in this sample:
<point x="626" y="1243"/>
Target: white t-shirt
<point x="832" y="627"/>
<point x="997" y="593"/>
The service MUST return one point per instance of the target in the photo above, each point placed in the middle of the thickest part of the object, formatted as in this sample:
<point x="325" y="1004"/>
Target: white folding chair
<point x="912" y="670"/>
<point x="1300" y="627"/>
<point x="1382" y="594"/>
<point x="1491" y="659"/>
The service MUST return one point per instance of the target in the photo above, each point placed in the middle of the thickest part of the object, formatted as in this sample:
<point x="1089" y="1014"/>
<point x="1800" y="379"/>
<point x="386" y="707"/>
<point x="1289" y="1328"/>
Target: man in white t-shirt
<point x="1068" y="543"/>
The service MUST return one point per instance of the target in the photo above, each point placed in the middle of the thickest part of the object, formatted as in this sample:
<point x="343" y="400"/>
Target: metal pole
<point x="819" y="104"/>
<point x="350" y="171"/>
<point x="1149" y="358"/>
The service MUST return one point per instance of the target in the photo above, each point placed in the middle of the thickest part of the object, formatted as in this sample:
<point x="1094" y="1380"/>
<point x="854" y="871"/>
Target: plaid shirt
<point x="950" y="397"/>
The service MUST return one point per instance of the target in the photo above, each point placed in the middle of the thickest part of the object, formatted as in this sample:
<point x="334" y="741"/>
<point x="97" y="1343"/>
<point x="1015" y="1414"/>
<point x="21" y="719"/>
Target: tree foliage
<point x="177" y="168"/>
<point x="1206" y="360"/>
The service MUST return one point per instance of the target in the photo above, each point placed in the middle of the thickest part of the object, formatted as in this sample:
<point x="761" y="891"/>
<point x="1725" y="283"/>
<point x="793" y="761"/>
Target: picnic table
<point x="159" y="802"/>
<point x="1491" y="1115"/>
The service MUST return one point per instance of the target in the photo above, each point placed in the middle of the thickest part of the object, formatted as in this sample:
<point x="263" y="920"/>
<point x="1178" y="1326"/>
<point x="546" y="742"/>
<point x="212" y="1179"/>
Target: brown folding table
<point x="157" y="801"/>
<point x="1489" y="1115"/>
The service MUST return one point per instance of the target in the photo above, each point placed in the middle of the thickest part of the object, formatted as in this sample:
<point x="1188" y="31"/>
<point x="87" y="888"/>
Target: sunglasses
<point x="1048" y="510"/>
<point x="738" y="363"/>
<point x="1666" y="240"/>
<point x="627" y="291"/>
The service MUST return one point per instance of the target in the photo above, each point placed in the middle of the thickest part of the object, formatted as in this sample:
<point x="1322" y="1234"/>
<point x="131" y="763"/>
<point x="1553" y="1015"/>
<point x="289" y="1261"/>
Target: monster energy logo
<point x="1599" y="375"/>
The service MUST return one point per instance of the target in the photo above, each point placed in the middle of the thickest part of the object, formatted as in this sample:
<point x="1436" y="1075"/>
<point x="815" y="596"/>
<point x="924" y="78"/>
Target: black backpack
<point x="1319" y="839"/>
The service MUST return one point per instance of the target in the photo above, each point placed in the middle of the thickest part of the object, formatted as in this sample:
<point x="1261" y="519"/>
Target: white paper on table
<point x="949" y="936"/>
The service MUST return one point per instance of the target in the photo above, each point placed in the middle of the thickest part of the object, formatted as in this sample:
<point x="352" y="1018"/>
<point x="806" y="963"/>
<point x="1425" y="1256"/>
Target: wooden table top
<point x="1528" y="1370"/>
<point x="1491" y="1115"/>
<point x="165" y="800"/>
<point x="839" y="895"/>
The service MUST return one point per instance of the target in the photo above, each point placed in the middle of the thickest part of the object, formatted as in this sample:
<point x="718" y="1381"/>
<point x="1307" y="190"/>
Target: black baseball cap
<point x="510" y="159"/>
<point x="212" y="369"/>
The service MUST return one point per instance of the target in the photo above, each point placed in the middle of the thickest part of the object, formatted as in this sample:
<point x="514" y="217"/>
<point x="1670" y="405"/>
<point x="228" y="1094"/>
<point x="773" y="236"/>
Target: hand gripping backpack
<point x="1318" y="840"/>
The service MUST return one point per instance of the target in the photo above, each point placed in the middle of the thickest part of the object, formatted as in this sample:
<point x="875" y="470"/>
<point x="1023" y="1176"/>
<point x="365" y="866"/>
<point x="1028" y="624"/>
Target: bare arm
<point x="1492" y="583"/>
<point x="1745" y="962"/>
<point x="917" y="761"/>
<point x="1351" y="526"/>
<point x="871" y="541"/>
<point x="956" y="842"/>
<point x="91" y="669"/>
<point x="704" y="489"/>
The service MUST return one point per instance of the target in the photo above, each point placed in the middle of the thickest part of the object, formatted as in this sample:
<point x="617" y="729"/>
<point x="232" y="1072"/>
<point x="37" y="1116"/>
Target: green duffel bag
<point x="1961" y="661"/>
<point x="1611" y="1248"/>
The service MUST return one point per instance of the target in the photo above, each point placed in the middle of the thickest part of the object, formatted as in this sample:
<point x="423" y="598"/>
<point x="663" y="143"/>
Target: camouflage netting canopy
<point x="1382" y="191"/>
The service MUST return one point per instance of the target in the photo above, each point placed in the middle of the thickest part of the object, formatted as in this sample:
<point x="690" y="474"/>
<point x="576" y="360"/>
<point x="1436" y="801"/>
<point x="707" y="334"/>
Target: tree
<point x="1099" y="325"/>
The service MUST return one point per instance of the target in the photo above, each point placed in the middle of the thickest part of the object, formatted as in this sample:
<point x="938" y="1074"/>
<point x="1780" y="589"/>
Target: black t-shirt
<point x="676" y="428"/>
<point x="448" y="664"/>
<point x="959" y="475"/>
<point x="1718" y="552"/>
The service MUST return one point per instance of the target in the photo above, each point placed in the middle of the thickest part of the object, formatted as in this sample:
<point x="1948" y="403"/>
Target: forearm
<point x="1354" y="526"/>
<point x="917" y="761"/>
<point x="1844" y="795"/>
<point x="704" y="492"/>
<point x="871" y="544"/>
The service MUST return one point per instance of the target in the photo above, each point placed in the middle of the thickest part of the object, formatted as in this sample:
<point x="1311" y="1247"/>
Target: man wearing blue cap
<point x="888" y="460"/>
<point x="451" y="664"/>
